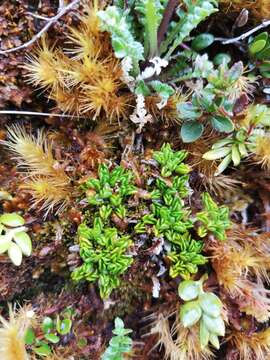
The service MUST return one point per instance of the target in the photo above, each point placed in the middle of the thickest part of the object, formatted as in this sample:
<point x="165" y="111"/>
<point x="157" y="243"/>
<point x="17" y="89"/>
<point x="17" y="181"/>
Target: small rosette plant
<point x="204" y="308"/>
<point x="13" y="237"/>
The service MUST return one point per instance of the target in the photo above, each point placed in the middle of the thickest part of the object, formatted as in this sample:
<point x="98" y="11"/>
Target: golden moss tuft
<point x="241" y="265"/>
<point x="84" y="78"/>
<point x="262" y="151"/>
<point x="260" y="9"/>
<point x="178" y="342"/>
<point x="206" y="169"/>
<point x="12" y="332"/>
<point x="46" y="179"/>
<point x="250" y="347"/>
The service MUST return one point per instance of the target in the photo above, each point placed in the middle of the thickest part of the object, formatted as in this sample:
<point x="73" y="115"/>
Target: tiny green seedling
<point x="52" y="331"/>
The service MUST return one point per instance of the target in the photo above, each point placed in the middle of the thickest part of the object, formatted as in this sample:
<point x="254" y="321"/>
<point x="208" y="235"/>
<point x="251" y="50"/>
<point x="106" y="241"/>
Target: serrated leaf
<point x="222" y="123"/>
<point x="188" y="111"/>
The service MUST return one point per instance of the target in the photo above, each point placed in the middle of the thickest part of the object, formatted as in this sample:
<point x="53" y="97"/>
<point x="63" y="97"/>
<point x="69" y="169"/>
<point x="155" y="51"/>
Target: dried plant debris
<point x="134" y="180"/>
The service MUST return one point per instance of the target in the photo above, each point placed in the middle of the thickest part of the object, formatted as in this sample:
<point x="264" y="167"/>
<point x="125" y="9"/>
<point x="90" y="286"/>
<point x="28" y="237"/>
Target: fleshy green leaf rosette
<point x="202" y="307"/>
<point x="13" y="237"/>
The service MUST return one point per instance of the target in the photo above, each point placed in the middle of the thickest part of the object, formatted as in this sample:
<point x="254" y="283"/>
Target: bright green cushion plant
<point x="158" y="212"/>
<point x="13" y="237"/>
<point x="103" y="249"/>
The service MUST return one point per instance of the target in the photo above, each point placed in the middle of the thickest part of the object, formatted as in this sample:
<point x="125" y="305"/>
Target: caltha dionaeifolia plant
<point x="14" y="238"/>
<point x="204" y="308"/>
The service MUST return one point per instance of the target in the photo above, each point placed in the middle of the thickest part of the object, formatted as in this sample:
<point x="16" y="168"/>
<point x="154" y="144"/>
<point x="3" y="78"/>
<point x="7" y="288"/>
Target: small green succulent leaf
<point x="64" y="326"/>
<point x="210" y="304"/>
<point x="235" y="71"/>
<point x="224" y="164"/>
<point x="5" y="243"/>
<point x="217" y="153"/>
<point x="190" y="313"/>
<point x="82" y="342"/>
<point x="29" y="337"/>
<point x="258" y="43"/>
<point x="222" y="58"/>
<point x="236" y="157"/>
<point x="24" y="242"/>
<point x="12" y="220"/>
<point x="191" y="131"/>
<point x="47" y="324"/>
<point x="52" y="338"/>
<point x="213" y="339"/>
<point x="15" y="254"/>
<point x="204" y="335"/>
<point x="189" y="290"/>
<point x="202" y="41"/>
<point x="214" y="325"/>
<point x="257" y="46"/>
<point x="43" y="350"/>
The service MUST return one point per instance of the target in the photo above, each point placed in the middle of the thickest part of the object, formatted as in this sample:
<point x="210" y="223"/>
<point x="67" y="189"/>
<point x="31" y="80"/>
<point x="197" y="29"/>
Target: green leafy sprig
<point x="214" y="219"/>
<point x="120" y="344"/>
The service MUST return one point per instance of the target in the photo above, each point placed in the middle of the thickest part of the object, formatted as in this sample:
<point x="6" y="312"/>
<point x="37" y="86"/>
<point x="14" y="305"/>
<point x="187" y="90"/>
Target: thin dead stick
<point x="168" y="13"/>
<point x="44" y="29"/>
<point x="263" y="25"/>
<point x="36" y="16"/>
<point x="15" y="112"/>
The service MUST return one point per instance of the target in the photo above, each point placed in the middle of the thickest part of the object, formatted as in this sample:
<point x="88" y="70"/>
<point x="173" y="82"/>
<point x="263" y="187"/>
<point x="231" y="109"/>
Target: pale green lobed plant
<point x="13" y="237"/>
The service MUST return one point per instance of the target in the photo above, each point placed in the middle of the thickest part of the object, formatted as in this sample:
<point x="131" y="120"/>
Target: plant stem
<point x="168" y="13"/>
<point x="263" y="25"/>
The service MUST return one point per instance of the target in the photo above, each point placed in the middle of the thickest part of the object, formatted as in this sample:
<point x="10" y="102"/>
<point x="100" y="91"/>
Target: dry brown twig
<point x="62" y="11"/>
